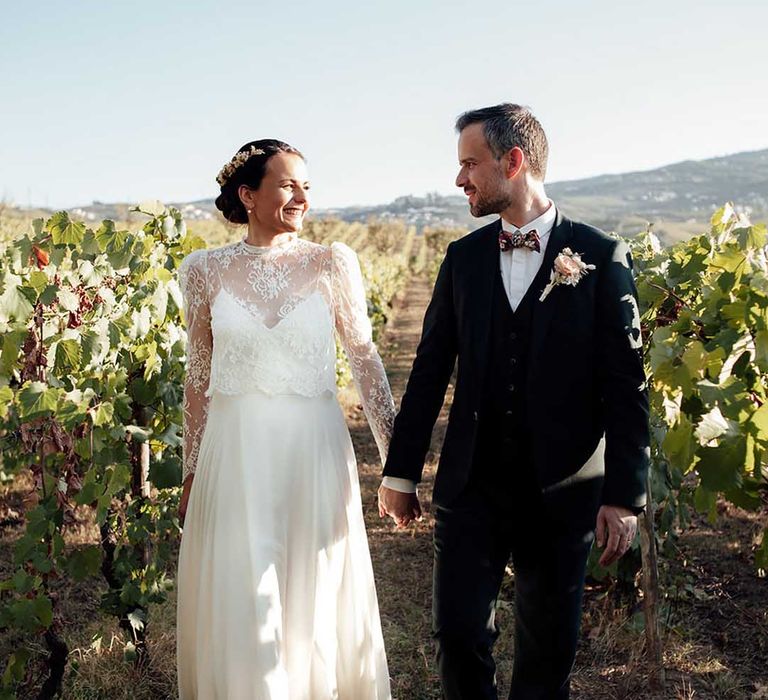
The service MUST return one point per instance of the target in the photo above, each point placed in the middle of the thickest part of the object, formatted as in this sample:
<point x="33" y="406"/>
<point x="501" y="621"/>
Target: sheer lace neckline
<point x="282" y="246"/>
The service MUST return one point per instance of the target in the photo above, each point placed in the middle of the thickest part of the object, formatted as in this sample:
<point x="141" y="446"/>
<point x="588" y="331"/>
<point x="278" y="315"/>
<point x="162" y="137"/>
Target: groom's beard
<point x="490" y="203"/>
<point x="494" y="204"/>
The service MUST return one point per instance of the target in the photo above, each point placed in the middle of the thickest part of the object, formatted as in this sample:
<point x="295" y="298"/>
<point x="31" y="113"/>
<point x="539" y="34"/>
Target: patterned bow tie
<point x="530" y="240"/>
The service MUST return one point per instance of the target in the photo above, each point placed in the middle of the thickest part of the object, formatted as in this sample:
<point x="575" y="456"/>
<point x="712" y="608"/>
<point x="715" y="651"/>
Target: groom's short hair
<point x="508" y="125"/>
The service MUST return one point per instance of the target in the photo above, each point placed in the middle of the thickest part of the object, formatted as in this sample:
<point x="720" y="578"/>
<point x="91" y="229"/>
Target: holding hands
<point x="403" y="508"/>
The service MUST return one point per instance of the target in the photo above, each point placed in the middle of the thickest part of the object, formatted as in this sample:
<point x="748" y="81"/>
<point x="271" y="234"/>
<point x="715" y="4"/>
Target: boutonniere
<point x="568" y="269"/>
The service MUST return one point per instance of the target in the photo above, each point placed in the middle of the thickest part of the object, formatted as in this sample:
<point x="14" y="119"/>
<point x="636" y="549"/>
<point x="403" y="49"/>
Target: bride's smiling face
<point x="282" y="201"/>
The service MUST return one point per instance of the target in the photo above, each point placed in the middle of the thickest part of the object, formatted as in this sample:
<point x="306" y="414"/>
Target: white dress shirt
<point x="518" y="268"/>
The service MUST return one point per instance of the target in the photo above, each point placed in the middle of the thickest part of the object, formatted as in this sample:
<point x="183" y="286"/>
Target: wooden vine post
<point x="651" y="593"/>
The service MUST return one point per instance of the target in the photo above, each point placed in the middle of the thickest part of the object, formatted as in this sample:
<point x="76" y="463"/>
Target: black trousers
<point x="473" y="541"/>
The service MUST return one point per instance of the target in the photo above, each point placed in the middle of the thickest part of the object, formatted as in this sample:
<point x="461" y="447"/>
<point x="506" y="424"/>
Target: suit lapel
<point x="486" y="270"/>
<point x="559" y="238"/>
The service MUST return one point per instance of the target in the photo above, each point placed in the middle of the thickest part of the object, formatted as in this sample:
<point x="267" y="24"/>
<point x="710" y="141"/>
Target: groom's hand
<point x="619" y="526"/>
<point x="403" y="508"/>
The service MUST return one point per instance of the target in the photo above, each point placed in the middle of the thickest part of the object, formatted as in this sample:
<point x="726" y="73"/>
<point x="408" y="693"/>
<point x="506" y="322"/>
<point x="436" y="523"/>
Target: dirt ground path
<point x="402" y="560"/>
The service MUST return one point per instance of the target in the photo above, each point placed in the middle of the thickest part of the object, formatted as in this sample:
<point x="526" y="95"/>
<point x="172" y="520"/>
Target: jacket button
<point x="512" y="360"/>
<point x="511" y="387"/>
<point x="513" y="335"/>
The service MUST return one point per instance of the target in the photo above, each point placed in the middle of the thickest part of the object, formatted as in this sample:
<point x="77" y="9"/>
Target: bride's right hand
<point x="185" y="498"/>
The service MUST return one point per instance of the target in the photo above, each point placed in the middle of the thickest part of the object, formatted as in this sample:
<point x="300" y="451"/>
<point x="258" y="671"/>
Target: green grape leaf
<point x="678" y="444"/>
<point x="695" y="358"/>
<point x="84" y="563"/>
<point x="38" y="280"/>
<point x="720" y="468"/>
<point x="761" y="350"/>
<point x="37" y="399"/>
<point x="107" y="236"/>
<point x="64" y="230"/>
<point x="6" y="398"/>
<point x="166" y="473"/>
<point x="706" y="502"/>
<point x="15" y="303"/>
<point x="49" y="295"/>
<point x="758" y="424"/>
<point x="95" y="344"/>
<point x="15" y="671"/>
<point x="68" y="356"/>
<point x="32" y="614"/>
<point x="11" y="358"/>
<point x="102" y="413"/>
<point x="752" y="237"/>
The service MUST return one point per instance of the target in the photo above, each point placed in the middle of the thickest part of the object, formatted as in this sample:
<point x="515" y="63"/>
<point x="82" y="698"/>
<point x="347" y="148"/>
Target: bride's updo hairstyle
<point x="247" y="167"/>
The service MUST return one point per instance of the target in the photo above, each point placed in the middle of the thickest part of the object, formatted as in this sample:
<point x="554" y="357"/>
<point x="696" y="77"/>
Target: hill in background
<point x="678" y="199"/>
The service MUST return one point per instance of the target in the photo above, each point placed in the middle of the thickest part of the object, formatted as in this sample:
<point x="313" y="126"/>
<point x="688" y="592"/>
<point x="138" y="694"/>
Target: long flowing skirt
<point x="276" y="598"/>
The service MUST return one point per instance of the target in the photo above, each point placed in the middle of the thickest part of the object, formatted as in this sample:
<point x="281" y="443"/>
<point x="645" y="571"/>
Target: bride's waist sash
<point x="310" y="381"/>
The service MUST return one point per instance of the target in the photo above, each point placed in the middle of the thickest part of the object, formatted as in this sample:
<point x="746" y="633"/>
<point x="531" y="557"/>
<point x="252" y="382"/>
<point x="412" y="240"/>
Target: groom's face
<point x="481" y="175"/>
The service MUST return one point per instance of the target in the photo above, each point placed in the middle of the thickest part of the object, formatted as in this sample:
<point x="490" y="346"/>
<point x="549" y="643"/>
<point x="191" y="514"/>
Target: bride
<point x="276" y="598"/>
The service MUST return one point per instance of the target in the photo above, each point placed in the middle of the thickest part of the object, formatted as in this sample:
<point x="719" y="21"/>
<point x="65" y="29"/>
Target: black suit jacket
<point x="585" y="377"/>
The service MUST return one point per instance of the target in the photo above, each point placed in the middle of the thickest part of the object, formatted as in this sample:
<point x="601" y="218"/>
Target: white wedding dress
<point x="276" y="598"/>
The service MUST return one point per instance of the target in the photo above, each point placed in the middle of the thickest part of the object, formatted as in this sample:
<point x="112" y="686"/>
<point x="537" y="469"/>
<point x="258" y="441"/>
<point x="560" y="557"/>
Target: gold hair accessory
<point x="240" y="158"/>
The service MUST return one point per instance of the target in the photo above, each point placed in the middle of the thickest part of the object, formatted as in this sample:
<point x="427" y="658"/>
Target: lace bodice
<point x="261" y="320"/>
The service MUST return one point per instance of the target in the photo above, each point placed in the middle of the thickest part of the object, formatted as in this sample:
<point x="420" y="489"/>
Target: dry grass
<point x="99" y="671"/>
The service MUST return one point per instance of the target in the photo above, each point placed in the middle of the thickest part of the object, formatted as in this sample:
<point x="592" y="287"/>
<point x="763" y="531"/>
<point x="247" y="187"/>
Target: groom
<point x="547" y="437"/>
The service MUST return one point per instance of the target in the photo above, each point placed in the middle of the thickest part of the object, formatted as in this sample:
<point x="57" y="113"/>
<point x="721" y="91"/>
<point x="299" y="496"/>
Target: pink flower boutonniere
<point x="569" y="268"/>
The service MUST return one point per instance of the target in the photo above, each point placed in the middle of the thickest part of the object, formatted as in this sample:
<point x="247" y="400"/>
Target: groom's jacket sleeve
<point x="622" y="382"/>
<point x="425" y="391"/>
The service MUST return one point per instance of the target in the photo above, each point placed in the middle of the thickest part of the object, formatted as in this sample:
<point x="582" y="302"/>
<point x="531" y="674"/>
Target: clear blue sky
<point x="127" y="101"/>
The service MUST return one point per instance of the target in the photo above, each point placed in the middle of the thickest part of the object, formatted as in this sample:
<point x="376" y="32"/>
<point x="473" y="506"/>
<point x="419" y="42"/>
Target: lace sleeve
<point x="197" y="315"/>
<point x="354" y="329"/>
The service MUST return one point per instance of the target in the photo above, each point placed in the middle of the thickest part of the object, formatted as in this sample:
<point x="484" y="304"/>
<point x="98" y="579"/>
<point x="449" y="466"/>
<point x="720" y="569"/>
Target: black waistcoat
<point x="502" y="447"/>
